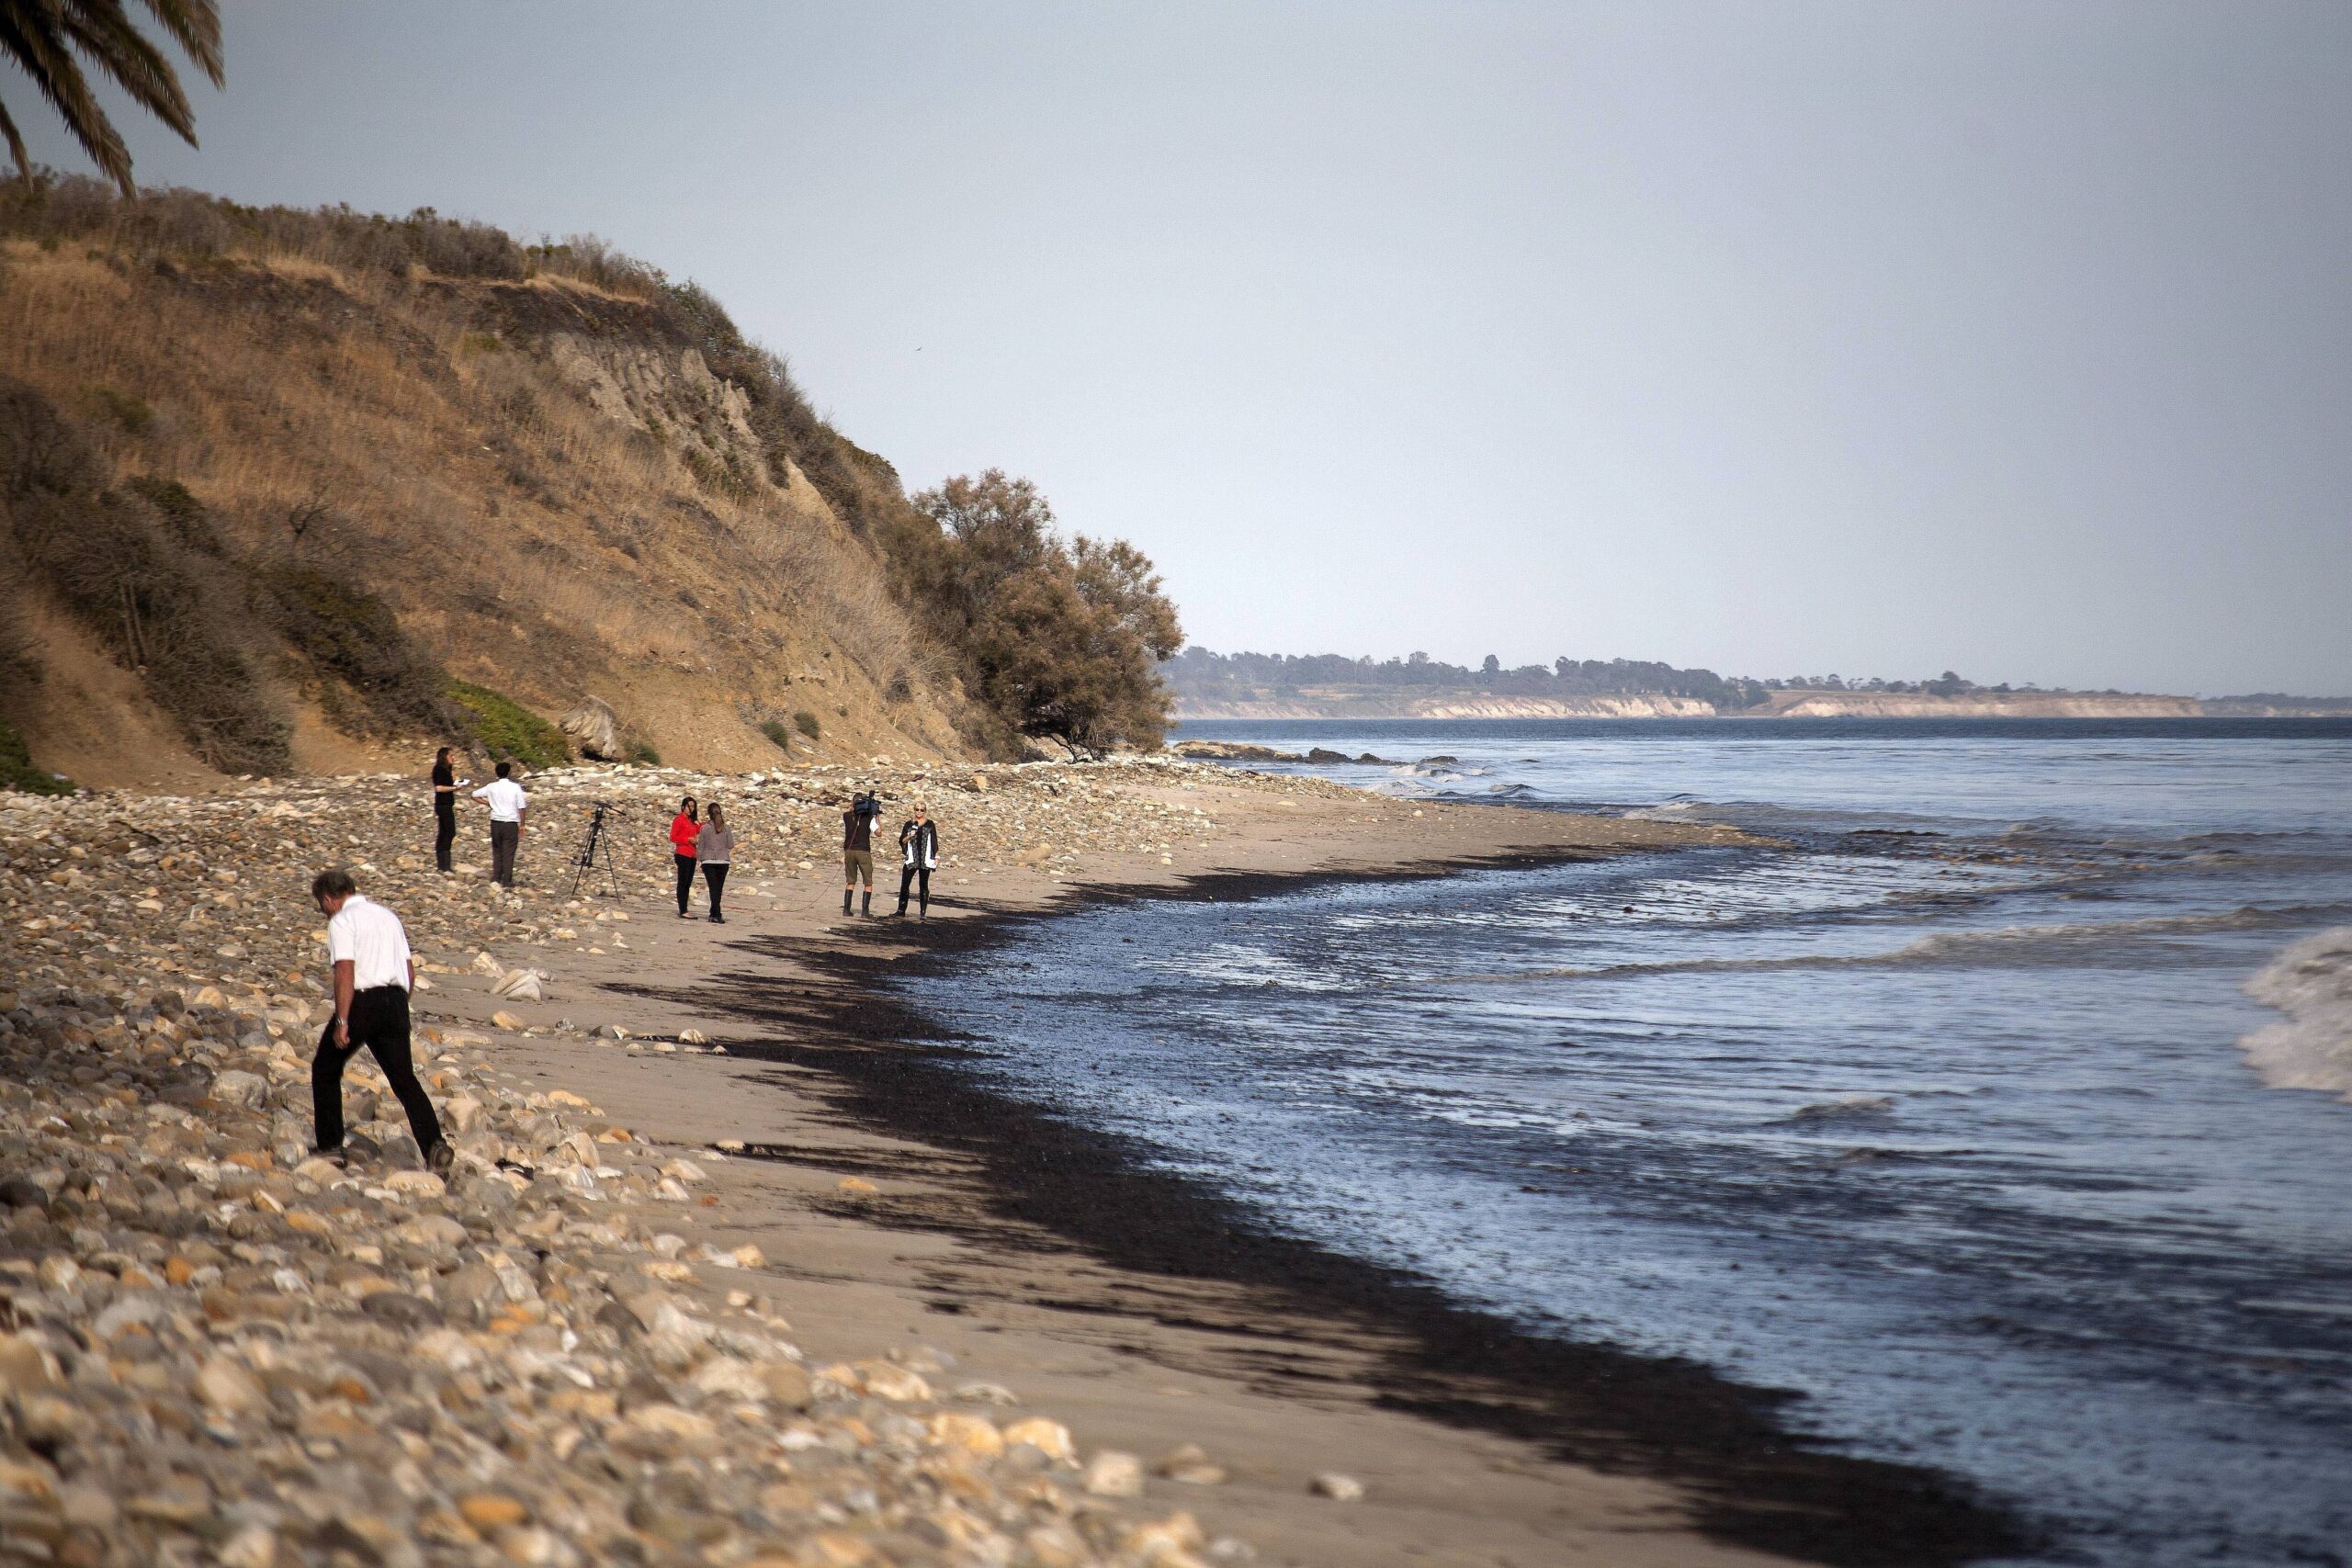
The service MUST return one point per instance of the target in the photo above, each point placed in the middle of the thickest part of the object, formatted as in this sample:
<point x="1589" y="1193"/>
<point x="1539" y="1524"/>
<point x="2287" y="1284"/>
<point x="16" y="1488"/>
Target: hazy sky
<point x="1782" y="338"/>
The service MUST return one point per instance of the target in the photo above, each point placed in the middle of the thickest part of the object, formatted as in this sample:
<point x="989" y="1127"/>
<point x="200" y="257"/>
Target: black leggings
<point x="907" y="876"/>
<point x="444" y="830"/>
<point x="685" y="880"/>
<point x="378" y="1022"/>
<point x="714" y="877"/>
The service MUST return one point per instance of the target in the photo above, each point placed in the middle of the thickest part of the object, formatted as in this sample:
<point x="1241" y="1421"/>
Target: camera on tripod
<point x="597" y="850"/>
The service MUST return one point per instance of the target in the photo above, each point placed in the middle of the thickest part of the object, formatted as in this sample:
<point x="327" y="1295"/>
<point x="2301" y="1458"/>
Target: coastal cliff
<point x="1977" y="705"/>
<point x="1782" y="705"/>
<point x="1456" y="708"/>
<point x="341" y="460"/>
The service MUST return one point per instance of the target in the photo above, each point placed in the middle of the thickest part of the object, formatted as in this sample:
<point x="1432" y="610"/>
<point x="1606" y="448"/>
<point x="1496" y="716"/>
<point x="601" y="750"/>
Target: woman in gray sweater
<point x="714" y="847"/>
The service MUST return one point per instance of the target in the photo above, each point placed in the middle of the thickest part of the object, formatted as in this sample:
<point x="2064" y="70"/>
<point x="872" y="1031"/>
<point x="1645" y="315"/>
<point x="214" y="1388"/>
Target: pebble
<point x="1111" y="1474"/>
<point x="219" y="1348"/>
<point x="1190" y="1464"/>
<point x="1338" y="1487"/>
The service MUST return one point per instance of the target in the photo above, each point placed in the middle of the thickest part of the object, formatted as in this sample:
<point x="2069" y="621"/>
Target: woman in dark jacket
<point x="683" y="829"/>
<point x="446" y="783"/>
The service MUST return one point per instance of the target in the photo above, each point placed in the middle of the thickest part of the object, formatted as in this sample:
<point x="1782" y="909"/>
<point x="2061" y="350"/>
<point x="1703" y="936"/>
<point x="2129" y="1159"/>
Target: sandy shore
<point x="1113" y="1352"/>
<point x="1140" y="1349"/>
<point x="897" y="1212"/>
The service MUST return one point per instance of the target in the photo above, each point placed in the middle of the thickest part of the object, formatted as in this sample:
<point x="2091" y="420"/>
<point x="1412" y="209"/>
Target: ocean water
<point x="1937" y="1115"/>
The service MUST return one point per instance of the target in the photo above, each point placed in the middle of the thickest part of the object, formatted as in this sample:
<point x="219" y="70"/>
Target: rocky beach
<point x="616" y="1334"/>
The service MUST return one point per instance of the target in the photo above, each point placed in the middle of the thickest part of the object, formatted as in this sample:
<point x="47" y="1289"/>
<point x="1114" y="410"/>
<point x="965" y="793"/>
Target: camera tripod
<point x="595" y="853"/>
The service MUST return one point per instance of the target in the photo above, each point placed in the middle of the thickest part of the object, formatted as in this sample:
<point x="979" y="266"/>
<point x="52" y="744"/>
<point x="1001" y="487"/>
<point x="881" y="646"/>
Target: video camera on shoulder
<point x="865" y="805"/>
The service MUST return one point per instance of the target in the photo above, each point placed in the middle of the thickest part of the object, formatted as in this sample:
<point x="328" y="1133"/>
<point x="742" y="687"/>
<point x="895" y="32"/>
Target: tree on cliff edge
<point x="43" y="36"/>
<point x="1059" y="641"/>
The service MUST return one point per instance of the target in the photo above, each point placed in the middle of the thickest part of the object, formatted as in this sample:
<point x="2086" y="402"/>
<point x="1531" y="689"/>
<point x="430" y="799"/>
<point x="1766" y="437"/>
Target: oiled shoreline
<point x="1035" y="1175"/>
<point x="973" y="1233"/>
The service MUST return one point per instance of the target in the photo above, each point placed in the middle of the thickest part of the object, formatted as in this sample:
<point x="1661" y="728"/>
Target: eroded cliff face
<point x="555" y="495"/>
<point x="1985" y="704"/>
<point x="1569" y="707"/>
<point x="1783" y="705"/>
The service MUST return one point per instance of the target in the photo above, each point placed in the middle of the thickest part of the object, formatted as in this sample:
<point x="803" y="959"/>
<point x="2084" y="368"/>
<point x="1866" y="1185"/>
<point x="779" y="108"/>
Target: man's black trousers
<point x="378" y="1022"/>
<point x="505" y="839"/>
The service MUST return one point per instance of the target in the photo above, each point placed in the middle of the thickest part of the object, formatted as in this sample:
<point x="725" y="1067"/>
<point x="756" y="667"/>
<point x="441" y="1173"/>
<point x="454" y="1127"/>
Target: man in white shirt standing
<point x="508" y="806"/>
<point x="373" y="975"/>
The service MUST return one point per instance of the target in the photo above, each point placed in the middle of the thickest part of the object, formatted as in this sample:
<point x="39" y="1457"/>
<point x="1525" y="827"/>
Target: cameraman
<point x="858" y="849"/>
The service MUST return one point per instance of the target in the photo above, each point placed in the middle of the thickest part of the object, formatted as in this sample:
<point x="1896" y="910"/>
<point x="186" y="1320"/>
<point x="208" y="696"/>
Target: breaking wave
<point x="2311" y="1047"/>
<point x="2005" y="945"/>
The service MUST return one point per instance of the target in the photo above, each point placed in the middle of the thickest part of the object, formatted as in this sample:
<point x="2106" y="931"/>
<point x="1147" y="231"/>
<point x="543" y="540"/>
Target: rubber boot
<point x="844" y="900"/>
<point x="865" y="906"/>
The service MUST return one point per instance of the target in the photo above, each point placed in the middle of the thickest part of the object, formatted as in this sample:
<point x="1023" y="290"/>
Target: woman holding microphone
<point x="446" y="785"/>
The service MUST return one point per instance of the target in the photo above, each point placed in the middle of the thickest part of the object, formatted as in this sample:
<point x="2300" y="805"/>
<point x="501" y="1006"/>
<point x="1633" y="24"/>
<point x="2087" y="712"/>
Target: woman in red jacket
<point x="683" y="826"/>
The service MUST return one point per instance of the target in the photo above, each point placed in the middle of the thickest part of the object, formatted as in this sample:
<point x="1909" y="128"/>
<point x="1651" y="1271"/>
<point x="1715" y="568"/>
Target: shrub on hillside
<point x="176" y="616"/>
<point x="1061" y="641"/>
<point x="180" y="511"/>
<point x="18" y="771"/>
<point x="191" y="226"/>
<point x="804" y="722"/>
<point x="352" y="637"/>
<point x="132" y="414"/>
<point x="507" y="729"/>
<point x="776" y="729"/>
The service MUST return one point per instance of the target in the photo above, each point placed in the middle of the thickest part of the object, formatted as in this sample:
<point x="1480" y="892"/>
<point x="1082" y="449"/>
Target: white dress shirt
<point x="369" y="935"/>
<point x="506" y="800"/>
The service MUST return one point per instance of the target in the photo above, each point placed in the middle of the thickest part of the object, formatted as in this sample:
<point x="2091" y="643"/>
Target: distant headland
<point x="1276" y="686"/>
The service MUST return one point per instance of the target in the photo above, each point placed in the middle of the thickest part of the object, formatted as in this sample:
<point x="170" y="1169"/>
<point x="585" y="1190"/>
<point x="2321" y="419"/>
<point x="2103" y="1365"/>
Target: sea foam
<point x="2310" y="983"/>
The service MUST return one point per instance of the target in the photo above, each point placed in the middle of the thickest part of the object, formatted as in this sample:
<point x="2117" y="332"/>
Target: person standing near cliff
<point x="858" y="849"/>
<point x="373" y="972"/>
<point x="446" y="783"/>
<point x="714" y="847"/>
<point x="509" y="807"/>
<point x="684" y="828"/>
<point x="918" y="858"/>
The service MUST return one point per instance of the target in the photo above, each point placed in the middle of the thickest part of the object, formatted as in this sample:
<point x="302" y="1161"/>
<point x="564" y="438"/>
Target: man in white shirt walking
<point x="508" y="806"/>
<point x="373" y="975"/>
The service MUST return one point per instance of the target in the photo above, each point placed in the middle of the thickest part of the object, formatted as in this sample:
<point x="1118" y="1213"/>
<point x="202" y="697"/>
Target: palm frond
<point x="24" y="159"/>
<point x="108" y="37"/>
<point x="43" y="36"/>
<point x="195" y="25"/>
<point x="31" y="33"/>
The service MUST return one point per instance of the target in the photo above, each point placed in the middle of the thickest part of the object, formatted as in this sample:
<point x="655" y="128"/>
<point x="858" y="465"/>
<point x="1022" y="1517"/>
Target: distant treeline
<point x="1198" y="676"/>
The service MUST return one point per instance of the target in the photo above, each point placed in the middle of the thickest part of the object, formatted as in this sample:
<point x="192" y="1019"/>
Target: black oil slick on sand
<point x="1932" y="1118"/>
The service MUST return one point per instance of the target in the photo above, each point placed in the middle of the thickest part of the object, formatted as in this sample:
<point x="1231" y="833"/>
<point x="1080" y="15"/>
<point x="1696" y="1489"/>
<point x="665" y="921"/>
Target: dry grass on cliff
<point x="369" y="424"/>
